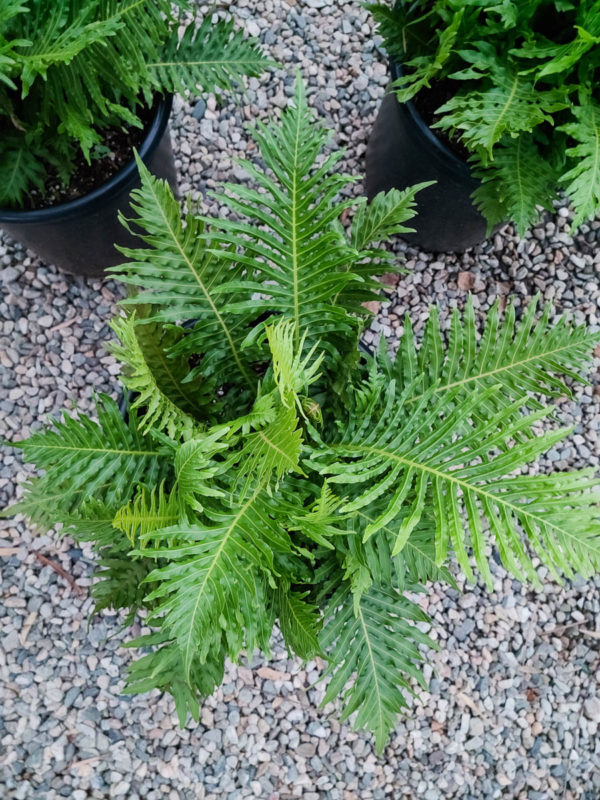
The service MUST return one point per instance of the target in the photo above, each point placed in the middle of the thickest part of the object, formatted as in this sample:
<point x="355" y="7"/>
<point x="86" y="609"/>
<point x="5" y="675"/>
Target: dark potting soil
<point x="427" y="101"/>
<point x="86" y="177"/>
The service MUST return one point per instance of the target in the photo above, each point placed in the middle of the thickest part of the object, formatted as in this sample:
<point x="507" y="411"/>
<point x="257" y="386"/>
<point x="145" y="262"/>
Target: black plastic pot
<point x="403" y="151"/>
<point x="79" y="236"/>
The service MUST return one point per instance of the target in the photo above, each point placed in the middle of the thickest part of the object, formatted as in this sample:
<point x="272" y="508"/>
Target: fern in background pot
<point x="516" y="84"/>
<point x="266" y="473"/>
<point x="80" y="85"/>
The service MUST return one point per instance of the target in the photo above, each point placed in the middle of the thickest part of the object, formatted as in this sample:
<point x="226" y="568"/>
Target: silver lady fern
<point x="71" y="68"/>
<point x="268" y="474"/>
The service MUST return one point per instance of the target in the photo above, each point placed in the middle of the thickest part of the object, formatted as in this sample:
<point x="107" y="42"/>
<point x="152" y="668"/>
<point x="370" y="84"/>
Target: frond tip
<point x="376" y="650"/>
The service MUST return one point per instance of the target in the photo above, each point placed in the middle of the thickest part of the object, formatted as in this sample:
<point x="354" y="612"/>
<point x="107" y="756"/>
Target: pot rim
<point x="107" y="189"/>
<point x="461" y="166"/>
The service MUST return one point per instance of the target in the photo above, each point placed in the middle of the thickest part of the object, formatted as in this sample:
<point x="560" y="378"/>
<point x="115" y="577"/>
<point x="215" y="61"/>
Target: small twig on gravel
<point x="559" y="629"/>
<point x="60" y="571"/>
<point x="593" y="634"/>
<point x="66" y="323"/>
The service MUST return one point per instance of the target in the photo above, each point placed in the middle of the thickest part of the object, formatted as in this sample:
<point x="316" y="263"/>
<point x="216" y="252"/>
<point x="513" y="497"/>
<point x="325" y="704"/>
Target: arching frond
<point x="423" y="454"/>
<point x="212" y="55"/>
<point x="375" y="648"/>
<point x="103" y="460"/>
<point x="211" y="570"/>
<point x="289" y="237"/>
<point x="525" y="359"/>
<point x="157" y="382"/>
<point x="179" y="277"/>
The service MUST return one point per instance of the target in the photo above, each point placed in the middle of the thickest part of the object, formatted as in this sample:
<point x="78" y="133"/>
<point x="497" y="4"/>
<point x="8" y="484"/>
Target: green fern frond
<point x="300" y="622"/>
<point x="157" y="382"/>
<point x="211" y="570"/>
<point x="525" y="359"/>
<point x="55" y="43"/>
<point x="508" y="103"/>
<point x="375" y="223"/>
<point x="212" y="55"/>
<point x="196" y="469"/>
<point x="147" y="512"/>
<point x="515" y="183"/>
<point x="271" y="452"/>
<point x="262" y="413"/>
<point x="179" y="277"/>
<point x="118" y="579"/>
<point x="557" y="58"/>
<point x="103" y="460"/>
<point x="384" y="217"/>
<point x="421" y="70"/>
<point x="41" y="504"/>
<point x="582" y="180"/>
<point x="293" y="372"/>
<point x="289" y="239"/>
<point x="20" y="170"/>
<point x="425" y="454"/>
<point x="321" y="521"/>
<point x="296" y="249"/>
<point x="162" y="669"/>
<point x="376" y="649"/>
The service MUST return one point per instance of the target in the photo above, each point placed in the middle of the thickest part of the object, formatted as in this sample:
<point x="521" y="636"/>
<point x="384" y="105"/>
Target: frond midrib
<point x="189" y="645"/>
<point x="507" y="105"/>
<point x="380" y="715"/>
<point x="111" y="451"/>
<point x="238" y="61"/>
<point x="470" y="487"/>
<point x="241" y="366"/>
<point x="294" y="231"/>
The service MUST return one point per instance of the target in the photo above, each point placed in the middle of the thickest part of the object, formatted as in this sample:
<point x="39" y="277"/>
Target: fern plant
<point x="266" y="473"/>
<point x="70" y="69"/>
<point x="521" y="85"/>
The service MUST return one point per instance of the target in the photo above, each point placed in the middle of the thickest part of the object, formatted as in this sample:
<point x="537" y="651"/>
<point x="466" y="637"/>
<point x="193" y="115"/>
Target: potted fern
<point x="498" y="103"/>
<point x="81" y="85"/>
<point x="266" y="473"/>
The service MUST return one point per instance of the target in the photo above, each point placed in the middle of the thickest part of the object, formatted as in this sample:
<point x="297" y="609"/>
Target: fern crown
<point x="267" y="473"/>
<point x="70" y="69"/>
<point x="521" y="79"/>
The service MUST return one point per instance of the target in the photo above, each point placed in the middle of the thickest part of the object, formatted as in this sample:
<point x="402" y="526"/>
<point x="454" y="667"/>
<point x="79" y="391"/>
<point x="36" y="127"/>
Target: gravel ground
<point x="514" y="706"/>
